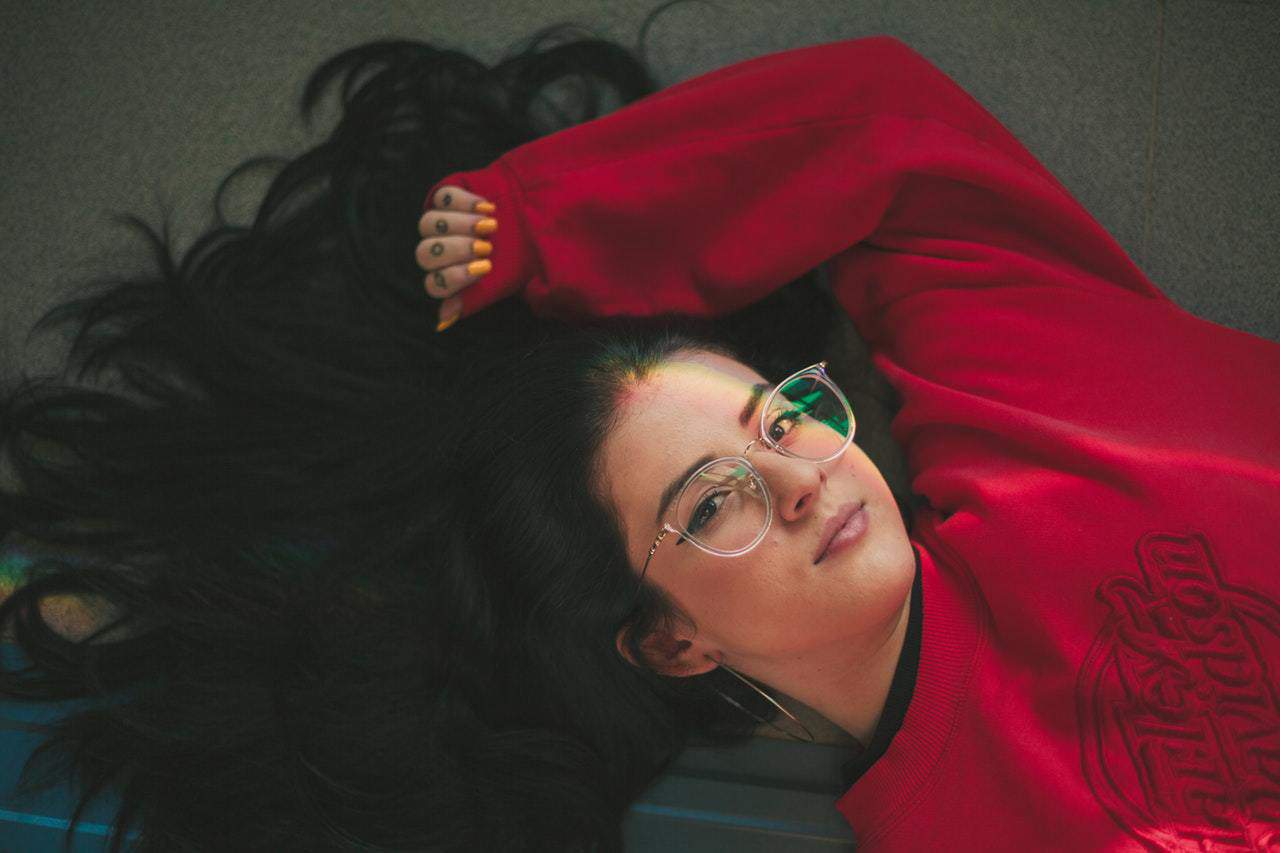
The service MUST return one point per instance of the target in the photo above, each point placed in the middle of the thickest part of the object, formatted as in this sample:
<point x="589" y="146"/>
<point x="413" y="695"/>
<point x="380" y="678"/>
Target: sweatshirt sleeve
<point x="710" y="194"/>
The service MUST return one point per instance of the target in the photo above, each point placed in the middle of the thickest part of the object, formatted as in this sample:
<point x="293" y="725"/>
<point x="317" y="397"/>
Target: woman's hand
<point x="450" y="250"/>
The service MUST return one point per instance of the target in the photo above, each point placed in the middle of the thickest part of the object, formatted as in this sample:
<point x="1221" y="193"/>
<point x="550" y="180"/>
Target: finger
<point x="450" y="311"/>
<point x="446" y="251"/>
<point x="443" y="283"/>
<point x="438" y="223"/>
<point x="456" y="198"/>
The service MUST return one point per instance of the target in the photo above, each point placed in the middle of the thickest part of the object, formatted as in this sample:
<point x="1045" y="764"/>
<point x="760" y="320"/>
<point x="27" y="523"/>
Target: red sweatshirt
<point x="1100" y="555"/>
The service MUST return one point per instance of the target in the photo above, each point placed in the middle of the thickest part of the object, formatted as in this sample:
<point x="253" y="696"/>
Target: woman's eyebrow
<point x="757" y="391"/>
<point x="748" y="410"/>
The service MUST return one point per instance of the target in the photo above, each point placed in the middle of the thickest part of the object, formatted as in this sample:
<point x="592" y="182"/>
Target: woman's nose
<point x="796" y="485"/>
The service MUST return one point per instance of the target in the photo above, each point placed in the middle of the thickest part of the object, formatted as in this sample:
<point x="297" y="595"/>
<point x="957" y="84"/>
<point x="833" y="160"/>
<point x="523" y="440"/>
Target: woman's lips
<point x="850" y="533"/>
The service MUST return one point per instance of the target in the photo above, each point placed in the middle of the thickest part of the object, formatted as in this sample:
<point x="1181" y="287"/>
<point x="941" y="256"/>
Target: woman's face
<point x="772" y="603"/>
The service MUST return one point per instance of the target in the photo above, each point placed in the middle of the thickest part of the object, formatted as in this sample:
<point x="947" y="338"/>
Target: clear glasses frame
<point x="820" y="371"/>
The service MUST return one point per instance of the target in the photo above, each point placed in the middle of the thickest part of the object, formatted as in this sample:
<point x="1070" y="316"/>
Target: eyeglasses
<point x="725" y="508"/>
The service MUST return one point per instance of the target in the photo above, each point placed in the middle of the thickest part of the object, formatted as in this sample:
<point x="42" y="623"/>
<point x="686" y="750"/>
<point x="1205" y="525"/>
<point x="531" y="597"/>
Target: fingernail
<point x="486" y="226"/>
<point x="485" y="207"/>
<point x="454" y="312"/>
<point x="479" y="267"/>
<point x="481" y="248"/>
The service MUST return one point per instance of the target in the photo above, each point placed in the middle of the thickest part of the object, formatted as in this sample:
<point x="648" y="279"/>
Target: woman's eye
<point x="776" y="431"/>
<point x="705" y="511"/>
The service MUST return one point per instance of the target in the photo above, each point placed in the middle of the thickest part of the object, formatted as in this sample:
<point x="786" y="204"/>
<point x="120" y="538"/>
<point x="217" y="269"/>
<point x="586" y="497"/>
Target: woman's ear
<point x="667" y="654"/>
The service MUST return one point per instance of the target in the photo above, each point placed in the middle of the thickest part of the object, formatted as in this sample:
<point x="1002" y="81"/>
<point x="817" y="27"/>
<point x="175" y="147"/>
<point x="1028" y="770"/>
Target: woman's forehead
<point x="683" y="409"/>
<point x="701" y="362"/>
<point x="691" y="387"/>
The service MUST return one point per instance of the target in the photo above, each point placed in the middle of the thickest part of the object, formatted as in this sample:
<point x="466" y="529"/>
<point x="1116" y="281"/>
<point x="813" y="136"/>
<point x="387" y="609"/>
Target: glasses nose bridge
<point x="758" y="444"/>
<point x="764" y="444"/>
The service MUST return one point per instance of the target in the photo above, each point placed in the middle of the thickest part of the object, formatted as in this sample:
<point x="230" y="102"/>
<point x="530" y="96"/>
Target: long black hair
<point x="353" y="587"/>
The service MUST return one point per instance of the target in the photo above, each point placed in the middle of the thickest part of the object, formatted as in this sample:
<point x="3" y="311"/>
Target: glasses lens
<point x="724" y="507"/>
<point x="808" y="418"/>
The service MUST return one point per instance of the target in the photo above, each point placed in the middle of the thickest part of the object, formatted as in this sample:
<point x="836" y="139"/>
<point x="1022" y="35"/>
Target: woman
<point x="1101" y="631"/>
<point x="490" y="642"/>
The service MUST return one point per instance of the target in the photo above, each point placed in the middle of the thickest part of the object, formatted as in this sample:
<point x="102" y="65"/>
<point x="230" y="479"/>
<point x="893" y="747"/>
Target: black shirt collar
<point x="900" y="690"/>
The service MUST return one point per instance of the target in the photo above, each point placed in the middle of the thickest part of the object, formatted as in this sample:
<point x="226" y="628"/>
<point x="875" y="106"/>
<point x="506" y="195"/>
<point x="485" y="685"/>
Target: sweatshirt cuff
<point x="514" y="262"/>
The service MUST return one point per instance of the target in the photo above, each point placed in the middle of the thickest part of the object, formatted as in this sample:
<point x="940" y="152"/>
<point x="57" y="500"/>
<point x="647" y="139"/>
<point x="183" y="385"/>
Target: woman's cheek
<point x="760" y="590"/>
<point x="725" y="590"/>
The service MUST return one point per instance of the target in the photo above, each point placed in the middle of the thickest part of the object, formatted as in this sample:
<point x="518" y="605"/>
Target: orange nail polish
<point x="486" y="226"/>
<point x="486" y="207"/>
<point x="481" y="248"/>
<point x="444" y="324"/>
<point x="479" y="267"/>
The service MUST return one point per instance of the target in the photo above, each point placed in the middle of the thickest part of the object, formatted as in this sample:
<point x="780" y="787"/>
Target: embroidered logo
<point x="1179" y="707"/>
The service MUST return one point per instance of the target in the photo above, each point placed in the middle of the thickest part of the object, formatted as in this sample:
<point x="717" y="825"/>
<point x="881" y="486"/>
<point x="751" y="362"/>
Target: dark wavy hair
<point x="356" y="590"/>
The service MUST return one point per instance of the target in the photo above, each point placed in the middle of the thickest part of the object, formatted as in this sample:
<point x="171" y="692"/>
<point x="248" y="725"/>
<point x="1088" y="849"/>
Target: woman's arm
<point x="712" y="193"/>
